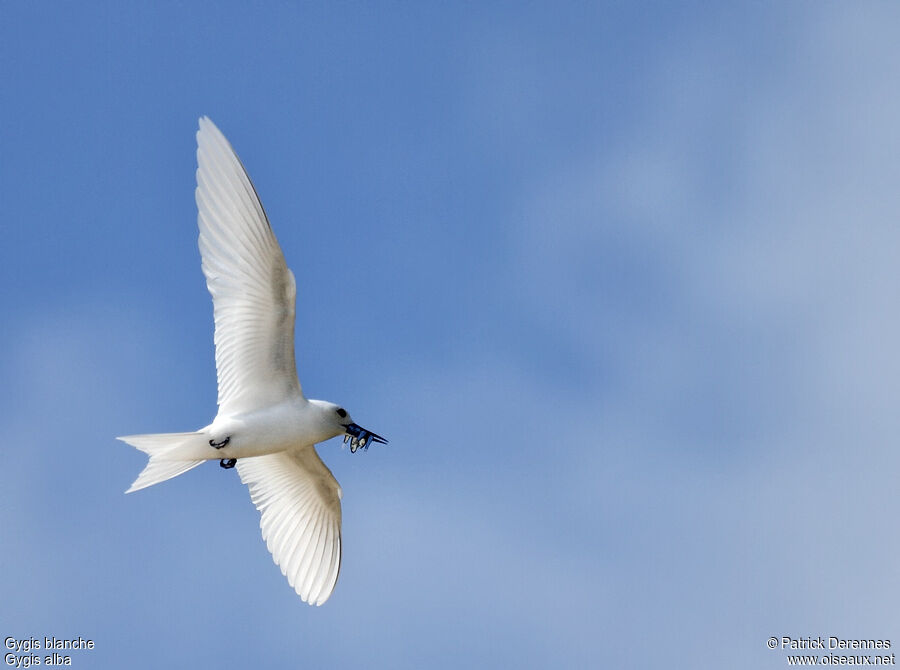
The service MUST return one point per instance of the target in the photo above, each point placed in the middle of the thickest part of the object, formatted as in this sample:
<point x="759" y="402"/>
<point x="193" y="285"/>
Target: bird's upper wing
<point x="252" y="288"/>
<point x="300" y="504"/>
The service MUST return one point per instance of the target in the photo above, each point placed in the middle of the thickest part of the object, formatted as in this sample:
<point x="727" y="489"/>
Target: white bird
<point x="265" y="425"/>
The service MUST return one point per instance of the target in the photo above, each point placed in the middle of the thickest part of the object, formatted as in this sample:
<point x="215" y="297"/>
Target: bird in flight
<point x="265" y="426"/>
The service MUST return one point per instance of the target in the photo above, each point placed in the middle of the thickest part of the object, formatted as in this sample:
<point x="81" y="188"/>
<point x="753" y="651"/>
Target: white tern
<point x="265" y="425"/>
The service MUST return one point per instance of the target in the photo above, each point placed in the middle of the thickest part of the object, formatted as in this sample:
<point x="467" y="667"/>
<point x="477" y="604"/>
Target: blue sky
<point x="619" y="282"/>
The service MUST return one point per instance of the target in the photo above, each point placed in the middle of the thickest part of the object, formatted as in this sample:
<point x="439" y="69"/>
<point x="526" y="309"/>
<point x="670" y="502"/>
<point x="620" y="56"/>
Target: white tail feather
<point x="164" y="450"/>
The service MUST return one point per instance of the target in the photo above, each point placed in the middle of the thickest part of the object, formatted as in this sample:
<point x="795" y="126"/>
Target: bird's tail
<point x="165" y="451"/>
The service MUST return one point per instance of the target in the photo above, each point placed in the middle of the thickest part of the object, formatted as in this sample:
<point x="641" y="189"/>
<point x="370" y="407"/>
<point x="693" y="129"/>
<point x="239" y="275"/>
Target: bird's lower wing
<point x="300" y="505"/>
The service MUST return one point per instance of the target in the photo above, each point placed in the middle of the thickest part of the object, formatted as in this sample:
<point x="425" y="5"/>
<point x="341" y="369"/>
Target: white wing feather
<point x="253" y="290"/>
<point x="300" y="506"/>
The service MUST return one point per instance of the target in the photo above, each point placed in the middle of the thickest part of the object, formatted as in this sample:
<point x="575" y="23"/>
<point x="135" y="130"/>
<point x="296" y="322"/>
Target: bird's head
<point x="337" y="421"/>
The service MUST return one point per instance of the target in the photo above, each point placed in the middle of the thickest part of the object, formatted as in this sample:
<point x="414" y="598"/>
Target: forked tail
<point x="165" y="461"/>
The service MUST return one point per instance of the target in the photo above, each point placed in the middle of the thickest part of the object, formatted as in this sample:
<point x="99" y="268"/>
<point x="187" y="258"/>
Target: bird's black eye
<point x="341" y="412"/>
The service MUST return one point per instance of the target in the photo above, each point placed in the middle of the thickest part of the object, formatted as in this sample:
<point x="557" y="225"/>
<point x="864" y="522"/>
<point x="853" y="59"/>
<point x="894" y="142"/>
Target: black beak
<point x="360" y="437"/>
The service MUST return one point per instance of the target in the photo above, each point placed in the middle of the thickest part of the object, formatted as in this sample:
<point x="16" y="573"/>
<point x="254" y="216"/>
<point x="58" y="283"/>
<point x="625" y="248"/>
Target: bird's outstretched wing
<point x="300" y="504"/>
<point x="253" y="290"/>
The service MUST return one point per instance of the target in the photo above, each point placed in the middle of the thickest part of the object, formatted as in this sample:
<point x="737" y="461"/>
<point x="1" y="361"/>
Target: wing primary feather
<point x="305" y="556"/>
<point x="324" y="565"/>
<point x="312" y="556"/>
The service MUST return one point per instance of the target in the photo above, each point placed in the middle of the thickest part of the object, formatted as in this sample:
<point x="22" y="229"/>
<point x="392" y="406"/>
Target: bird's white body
<point x="265" y="425"/>
<point x="291" y="424"/>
